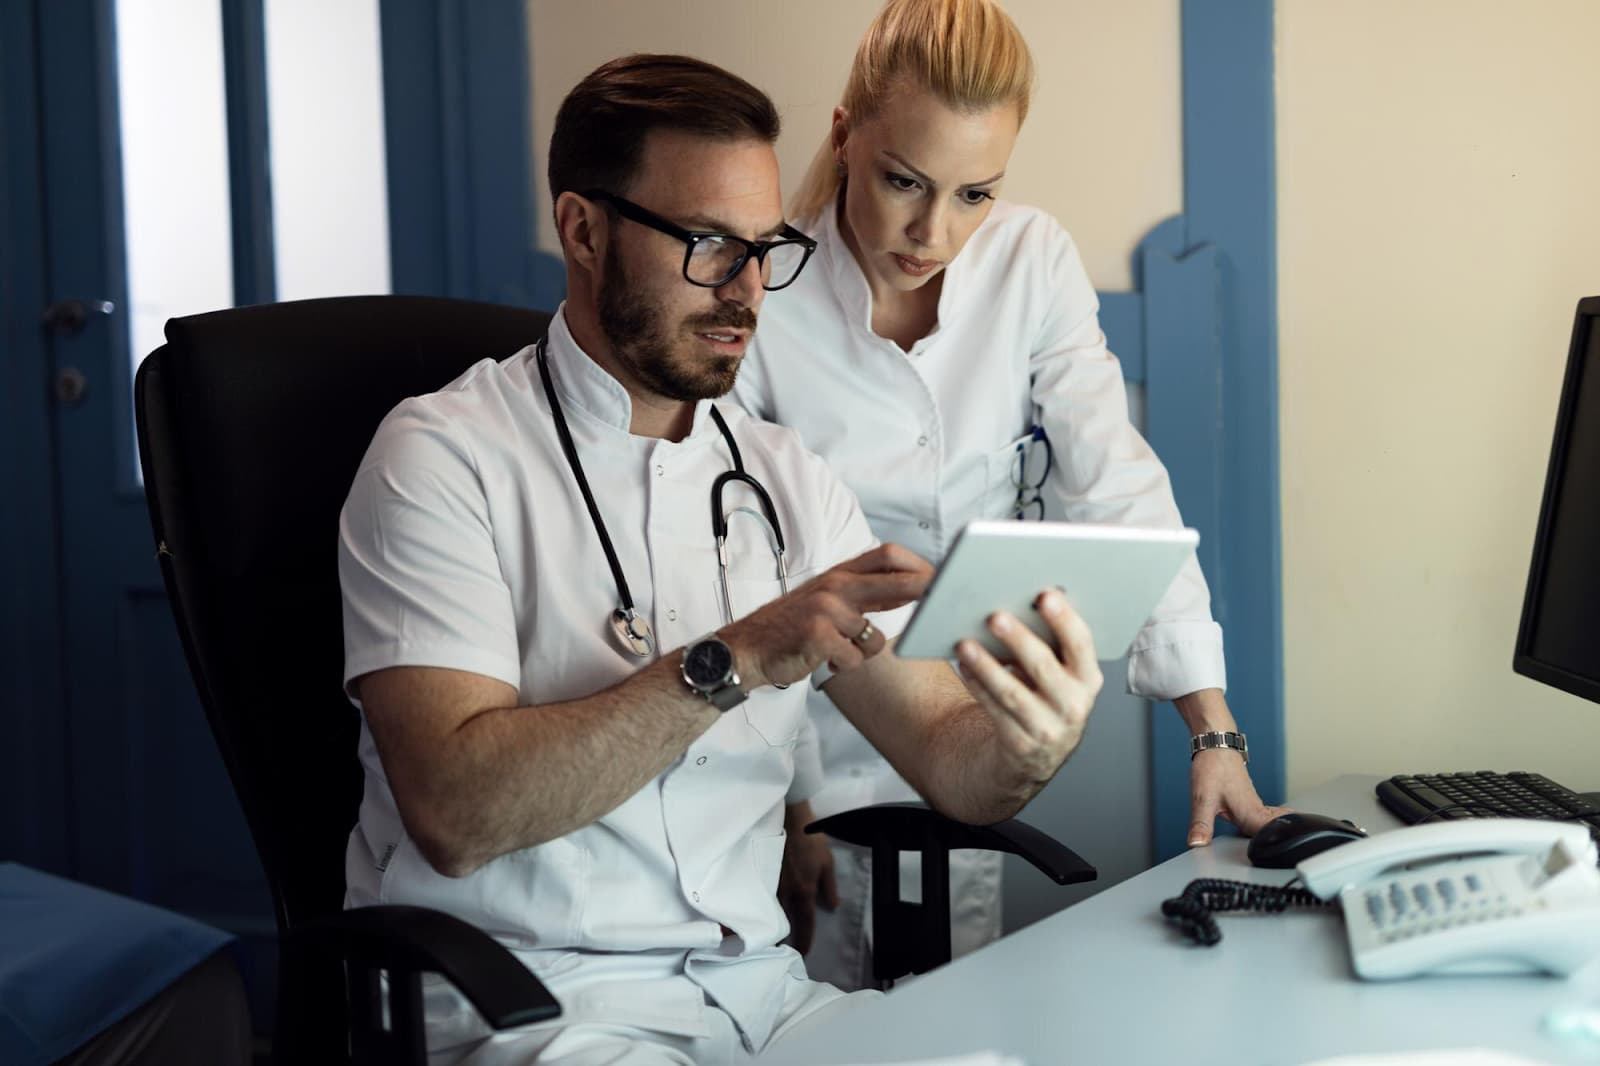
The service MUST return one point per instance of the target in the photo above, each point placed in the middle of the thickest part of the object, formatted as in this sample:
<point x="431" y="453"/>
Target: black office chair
<point x="915" y="937"/>
<point x="251" y="425"/>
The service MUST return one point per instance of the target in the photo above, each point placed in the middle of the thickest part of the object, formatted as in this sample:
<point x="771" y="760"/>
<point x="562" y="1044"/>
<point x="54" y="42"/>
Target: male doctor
<point x="579" y="721"/>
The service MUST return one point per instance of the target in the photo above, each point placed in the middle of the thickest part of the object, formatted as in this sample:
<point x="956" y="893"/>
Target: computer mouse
<point x="1290" y="839"/>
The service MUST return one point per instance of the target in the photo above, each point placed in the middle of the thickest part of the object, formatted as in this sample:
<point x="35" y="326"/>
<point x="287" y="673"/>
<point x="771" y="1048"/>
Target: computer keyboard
<point x="1485" y="794"/>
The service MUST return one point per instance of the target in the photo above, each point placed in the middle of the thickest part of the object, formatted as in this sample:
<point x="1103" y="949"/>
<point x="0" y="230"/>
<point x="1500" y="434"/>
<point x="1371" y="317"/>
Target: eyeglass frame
<point x="1028" y="494"/>
<point x="757" y="249"/>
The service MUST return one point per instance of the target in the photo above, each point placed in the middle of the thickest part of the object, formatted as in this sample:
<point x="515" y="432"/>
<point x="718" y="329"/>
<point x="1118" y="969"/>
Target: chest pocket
<point x="775" y="720"/>
<point x="1022" y="457"/>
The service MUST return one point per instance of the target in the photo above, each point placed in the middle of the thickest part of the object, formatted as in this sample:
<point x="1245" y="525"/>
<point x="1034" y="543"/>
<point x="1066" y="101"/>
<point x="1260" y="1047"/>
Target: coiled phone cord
<point x="1192" y="912"/>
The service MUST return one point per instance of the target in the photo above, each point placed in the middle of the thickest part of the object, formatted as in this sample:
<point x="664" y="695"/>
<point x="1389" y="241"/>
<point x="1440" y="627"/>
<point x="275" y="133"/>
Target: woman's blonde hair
<point x="968" y="53"/>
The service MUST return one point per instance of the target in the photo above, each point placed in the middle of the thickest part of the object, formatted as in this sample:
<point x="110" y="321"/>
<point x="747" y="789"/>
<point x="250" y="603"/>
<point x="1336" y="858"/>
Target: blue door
<point x="108" y="773"/>
<point x="141" y="804"/>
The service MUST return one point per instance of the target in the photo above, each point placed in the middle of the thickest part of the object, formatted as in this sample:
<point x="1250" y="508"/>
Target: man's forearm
<point x="926" y="723"/>
<point x="964" y="776"/>
<point x="511" y="778"/>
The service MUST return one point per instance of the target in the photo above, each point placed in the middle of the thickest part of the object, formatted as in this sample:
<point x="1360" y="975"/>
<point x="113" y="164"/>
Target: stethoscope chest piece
<point x="633" y="632"/>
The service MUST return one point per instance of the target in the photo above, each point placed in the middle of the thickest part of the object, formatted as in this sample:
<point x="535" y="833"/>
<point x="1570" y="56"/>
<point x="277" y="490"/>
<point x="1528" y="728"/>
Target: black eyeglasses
<point x="711" y="260"/>
<point x="1029" y="467"/>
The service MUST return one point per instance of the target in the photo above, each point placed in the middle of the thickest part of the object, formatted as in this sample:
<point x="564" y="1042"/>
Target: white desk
<point x="1108" y="981"/>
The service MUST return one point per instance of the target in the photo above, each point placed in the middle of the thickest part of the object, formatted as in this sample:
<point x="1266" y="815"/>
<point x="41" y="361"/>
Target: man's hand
<point x="807" y="876"/>
<point x="1041" y="697"/>
<point x="1219" y="783"/>
<point x="825" y="620"/>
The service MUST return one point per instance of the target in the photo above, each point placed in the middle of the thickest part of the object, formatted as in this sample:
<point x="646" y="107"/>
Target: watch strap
<point x="726" y="697"/>
<point x="1219" y="739"/>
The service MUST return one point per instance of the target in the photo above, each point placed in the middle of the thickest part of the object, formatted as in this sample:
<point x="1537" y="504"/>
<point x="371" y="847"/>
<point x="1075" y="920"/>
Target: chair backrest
<point x="251" y="425"/>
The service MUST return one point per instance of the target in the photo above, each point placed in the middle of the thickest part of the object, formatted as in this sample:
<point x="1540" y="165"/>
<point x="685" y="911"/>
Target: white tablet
<point x="1113" y="576"/>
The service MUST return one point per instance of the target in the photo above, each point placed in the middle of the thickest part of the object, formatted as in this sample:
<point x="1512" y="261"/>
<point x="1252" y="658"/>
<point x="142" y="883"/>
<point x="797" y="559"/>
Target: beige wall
<point x="1101" y="150"/>
<point x="1437" y="221"/>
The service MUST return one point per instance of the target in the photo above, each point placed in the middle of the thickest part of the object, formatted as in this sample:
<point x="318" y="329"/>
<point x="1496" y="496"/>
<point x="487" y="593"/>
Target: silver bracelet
<point x="1203" y="741"/>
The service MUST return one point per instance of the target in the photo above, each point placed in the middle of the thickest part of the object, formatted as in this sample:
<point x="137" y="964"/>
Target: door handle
<point x="67" y="318"/>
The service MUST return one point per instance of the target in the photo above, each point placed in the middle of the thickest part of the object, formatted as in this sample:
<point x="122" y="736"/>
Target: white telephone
<point x="1497" y="895"/>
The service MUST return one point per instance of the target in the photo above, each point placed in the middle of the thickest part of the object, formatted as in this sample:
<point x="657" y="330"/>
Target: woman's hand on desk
<point x="1219" y="781"/>
<point x="1220" y="786"/>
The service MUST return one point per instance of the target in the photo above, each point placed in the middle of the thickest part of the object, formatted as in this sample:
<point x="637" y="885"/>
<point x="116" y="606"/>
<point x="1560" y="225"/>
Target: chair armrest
<point x="417" y="940"/>
<point x="918" y="827"/>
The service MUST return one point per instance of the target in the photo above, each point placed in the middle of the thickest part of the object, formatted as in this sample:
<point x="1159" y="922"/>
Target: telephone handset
<point x="1493" y="895"/>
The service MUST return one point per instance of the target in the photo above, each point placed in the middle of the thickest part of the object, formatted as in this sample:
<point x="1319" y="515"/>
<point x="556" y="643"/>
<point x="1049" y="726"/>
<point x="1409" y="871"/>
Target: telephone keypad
<point x="1410" y="908"/>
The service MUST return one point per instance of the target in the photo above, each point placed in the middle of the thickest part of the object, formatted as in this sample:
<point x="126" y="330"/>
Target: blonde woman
<point x="943" y="354"/>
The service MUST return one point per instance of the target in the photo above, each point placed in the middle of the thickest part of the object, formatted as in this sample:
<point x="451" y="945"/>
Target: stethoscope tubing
<point x="632" y="629"/>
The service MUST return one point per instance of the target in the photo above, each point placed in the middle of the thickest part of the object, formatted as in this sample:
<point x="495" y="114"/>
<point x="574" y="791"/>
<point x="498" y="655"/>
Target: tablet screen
<point x="1113" y="576"/>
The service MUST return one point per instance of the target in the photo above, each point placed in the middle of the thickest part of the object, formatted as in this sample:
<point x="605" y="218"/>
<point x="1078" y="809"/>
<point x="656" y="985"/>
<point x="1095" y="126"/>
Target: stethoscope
<point x="632" y="630"/>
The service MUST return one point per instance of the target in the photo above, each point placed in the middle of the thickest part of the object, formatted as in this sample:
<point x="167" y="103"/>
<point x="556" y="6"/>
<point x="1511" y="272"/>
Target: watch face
<point x="708" y="662"/>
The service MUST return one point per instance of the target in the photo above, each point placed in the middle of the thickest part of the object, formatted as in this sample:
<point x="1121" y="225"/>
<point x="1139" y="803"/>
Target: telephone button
<point x="1473" y="884"/>
<point x="1397" y="899"/>
<point x="1447" y="892"/>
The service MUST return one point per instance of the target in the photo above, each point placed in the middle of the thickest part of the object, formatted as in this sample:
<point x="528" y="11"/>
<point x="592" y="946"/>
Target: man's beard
<point x="635" y="327"/>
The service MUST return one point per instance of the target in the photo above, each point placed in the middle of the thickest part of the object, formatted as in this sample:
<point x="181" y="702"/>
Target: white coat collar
<point x="849" y="283"/>
<point x="587" y="386"/>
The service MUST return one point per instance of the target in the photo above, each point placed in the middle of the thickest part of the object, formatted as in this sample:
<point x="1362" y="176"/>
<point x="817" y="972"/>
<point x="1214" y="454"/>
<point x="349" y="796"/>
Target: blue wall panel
<point x="457" y="102"/>
<point x="1122" y="321"/>
<point x="1183" y="388"/>
<point x="1229" y="153"/>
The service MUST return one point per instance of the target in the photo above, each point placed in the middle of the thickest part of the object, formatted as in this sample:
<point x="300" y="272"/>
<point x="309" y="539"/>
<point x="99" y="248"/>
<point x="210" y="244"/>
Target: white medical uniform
<point x="465" y="543"/>
<point x="926" y="438"/>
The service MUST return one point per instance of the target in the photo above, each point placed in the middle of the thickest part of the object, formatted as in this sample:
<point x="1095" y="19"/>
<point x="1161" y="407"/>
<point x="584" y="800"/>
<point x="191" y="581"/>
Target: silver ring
<point x="865" y="634"/>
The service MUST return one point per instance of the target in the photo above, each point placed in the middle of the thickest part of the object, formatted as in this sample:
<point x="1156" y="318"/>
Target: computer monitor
<point x="1558" y="642"/>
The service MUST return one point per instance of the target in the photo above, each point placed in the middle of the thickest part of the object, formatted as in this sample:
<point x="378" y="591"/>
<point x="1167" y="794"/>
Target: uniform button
<point x="672" y="616"/>
<point x="660" y="470"/>
<point x="695" y="896"/>
<point x="922" y="442"/>
<point x="701" y="761"/>
<point x="922" y="525"/>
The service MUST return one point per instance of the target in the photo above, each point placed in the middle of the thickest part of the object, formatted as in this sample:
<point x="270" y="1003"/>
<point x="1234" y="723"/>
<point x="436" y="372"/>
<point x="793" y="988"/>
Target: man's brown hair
<point x="603" y="123"/>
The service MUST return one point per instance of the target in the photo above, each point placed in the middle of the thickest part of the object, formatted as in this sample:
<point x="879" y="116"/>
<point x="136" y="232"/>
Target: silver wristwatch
<point x="707" y="669"/>
<point x="1202" y="741"/>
